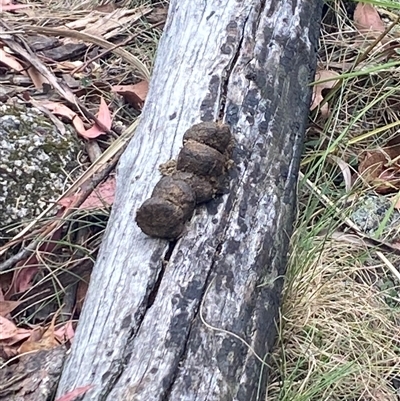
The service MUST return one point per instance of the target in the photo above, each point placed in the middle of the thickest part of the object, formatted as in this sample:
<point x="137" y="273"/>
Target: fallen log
<point x="194" y="318"/>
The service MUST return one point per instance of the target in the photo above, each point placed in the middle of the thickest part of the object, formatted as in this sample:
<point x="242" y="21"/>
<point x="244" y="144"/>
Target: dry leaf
<point x="22" y="279"/>
<point x="133" y="94"/>
<point x="102" y="196"/>
<point x="372" y="165"/>
<point x="7" y="329"/>
<point x="318" y="88"/>
<point x="7" y="352"/>
<point x="367" y="18"/>
<point x="47" y="341"/>
<point x="7" y="306"/>
<point x="20" y="335"/>
<point x="48" y="337"/>
<point x="104" y="116"/>
<point x="65" y="333"/>
<point x="36" y="334"/>
<point x="38" y="79"/>
<point x="393" y="147"/>
<point x="30" y="346"/>
<point x="389" y="180"/>
<point x="377" y="171"/>
<point x="12" y="62"/>
<point x="68" y="202"/>
<point x="64" y="111"/>
<point x="72" y="395"/>
<point x="6" y="5"/>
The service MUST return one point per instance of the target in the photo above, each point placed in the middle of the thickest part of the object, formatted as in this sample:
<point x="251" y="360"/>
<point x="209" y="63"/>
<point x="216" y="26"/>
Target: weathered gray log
<point x="141" y="335"/>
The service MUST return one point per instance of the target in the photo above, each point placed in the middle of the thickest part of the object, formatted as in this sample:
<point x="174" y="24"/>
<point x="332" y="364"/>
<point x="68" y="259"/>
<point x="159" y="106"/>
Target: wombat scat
<point x="200" y="159"/>
<point x="158" y="217"/>
<point x="203" y="188"/>
<point x="200" y="174"/>
<point x="217" y="136"/>
<point x="175" y="191"/>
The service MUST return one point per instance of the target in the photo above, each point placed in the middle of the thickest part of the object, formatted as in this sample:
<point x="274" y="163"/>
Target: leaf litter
<point x="85" y="70"/>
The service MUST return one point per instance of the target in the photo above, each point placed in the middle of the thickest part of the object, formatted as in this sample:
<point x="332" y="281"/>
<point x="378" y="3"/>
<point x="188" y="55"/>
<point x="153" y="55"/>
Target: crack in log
<point x="124" y="360"/>
<point x="110" y="382"/>
<point x="154" y="291"/>
<point x="260" y="13"/>
<point x="228" y="72"/>
<point x="168" y="391"/>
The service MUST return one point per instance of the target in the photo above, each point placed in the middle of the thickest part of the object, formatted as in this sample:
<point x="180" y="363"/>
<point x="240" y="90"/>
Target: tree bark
<point x="191" y="319"/>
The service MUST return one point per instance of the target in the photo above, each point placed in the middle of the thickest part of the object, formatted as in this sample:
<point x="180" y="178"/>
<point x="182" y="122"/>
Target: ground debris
<point x="34" y="377"/>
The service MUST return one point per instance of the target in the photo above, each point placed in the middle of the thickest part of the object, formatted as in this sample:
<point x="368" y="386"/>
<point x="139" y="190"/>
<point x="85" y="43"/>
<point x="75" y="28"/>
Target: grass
<point x="339" y="336"/>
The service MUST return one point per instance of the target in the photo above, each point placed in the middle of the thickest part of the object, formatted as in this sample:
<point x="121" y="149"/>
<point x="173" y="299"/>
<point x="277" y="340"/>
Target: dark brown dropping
<point x="221" y="184"/>
<point x="210" y="133"/>
<point x="198" y="175"/>
<point x="203" y="188"/>
<point x="176" y="191"/>
<point x="200" y="159"/>
<point x="160" y="218"/>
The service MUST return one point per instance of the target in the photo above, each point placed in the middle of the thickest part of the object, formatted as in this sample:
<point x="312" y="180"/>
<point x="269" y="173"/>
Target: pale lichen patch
<point x="35" y="163"/>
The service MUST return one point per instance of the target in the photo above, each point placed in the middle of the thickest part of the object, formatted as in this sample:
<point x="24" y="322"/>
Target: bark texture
<point x="145" y="332"/>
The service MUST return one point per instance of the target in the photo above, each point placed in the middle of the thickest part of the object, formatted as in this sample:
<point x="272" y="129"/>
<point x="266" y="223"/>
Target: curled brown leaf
<point x="367" y="19"/>
<point x="325" y="79"/>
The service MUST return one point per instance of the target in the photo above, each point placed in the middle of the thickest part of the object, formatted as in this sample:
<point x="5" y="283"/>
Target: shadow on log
<point x="191" y="319"/>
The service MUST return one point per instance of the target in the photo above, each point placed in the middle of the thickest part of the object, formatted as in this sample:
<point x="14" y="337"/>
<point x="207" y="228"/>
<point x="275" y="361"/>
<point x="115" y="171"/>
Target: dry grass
<point x="339" y="336"/>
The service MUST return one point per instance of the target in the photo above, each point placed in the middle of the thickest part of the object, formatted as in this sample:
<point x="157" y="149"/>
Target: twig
<point x="66" y="93"/>
<point x="111" y="49"/>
